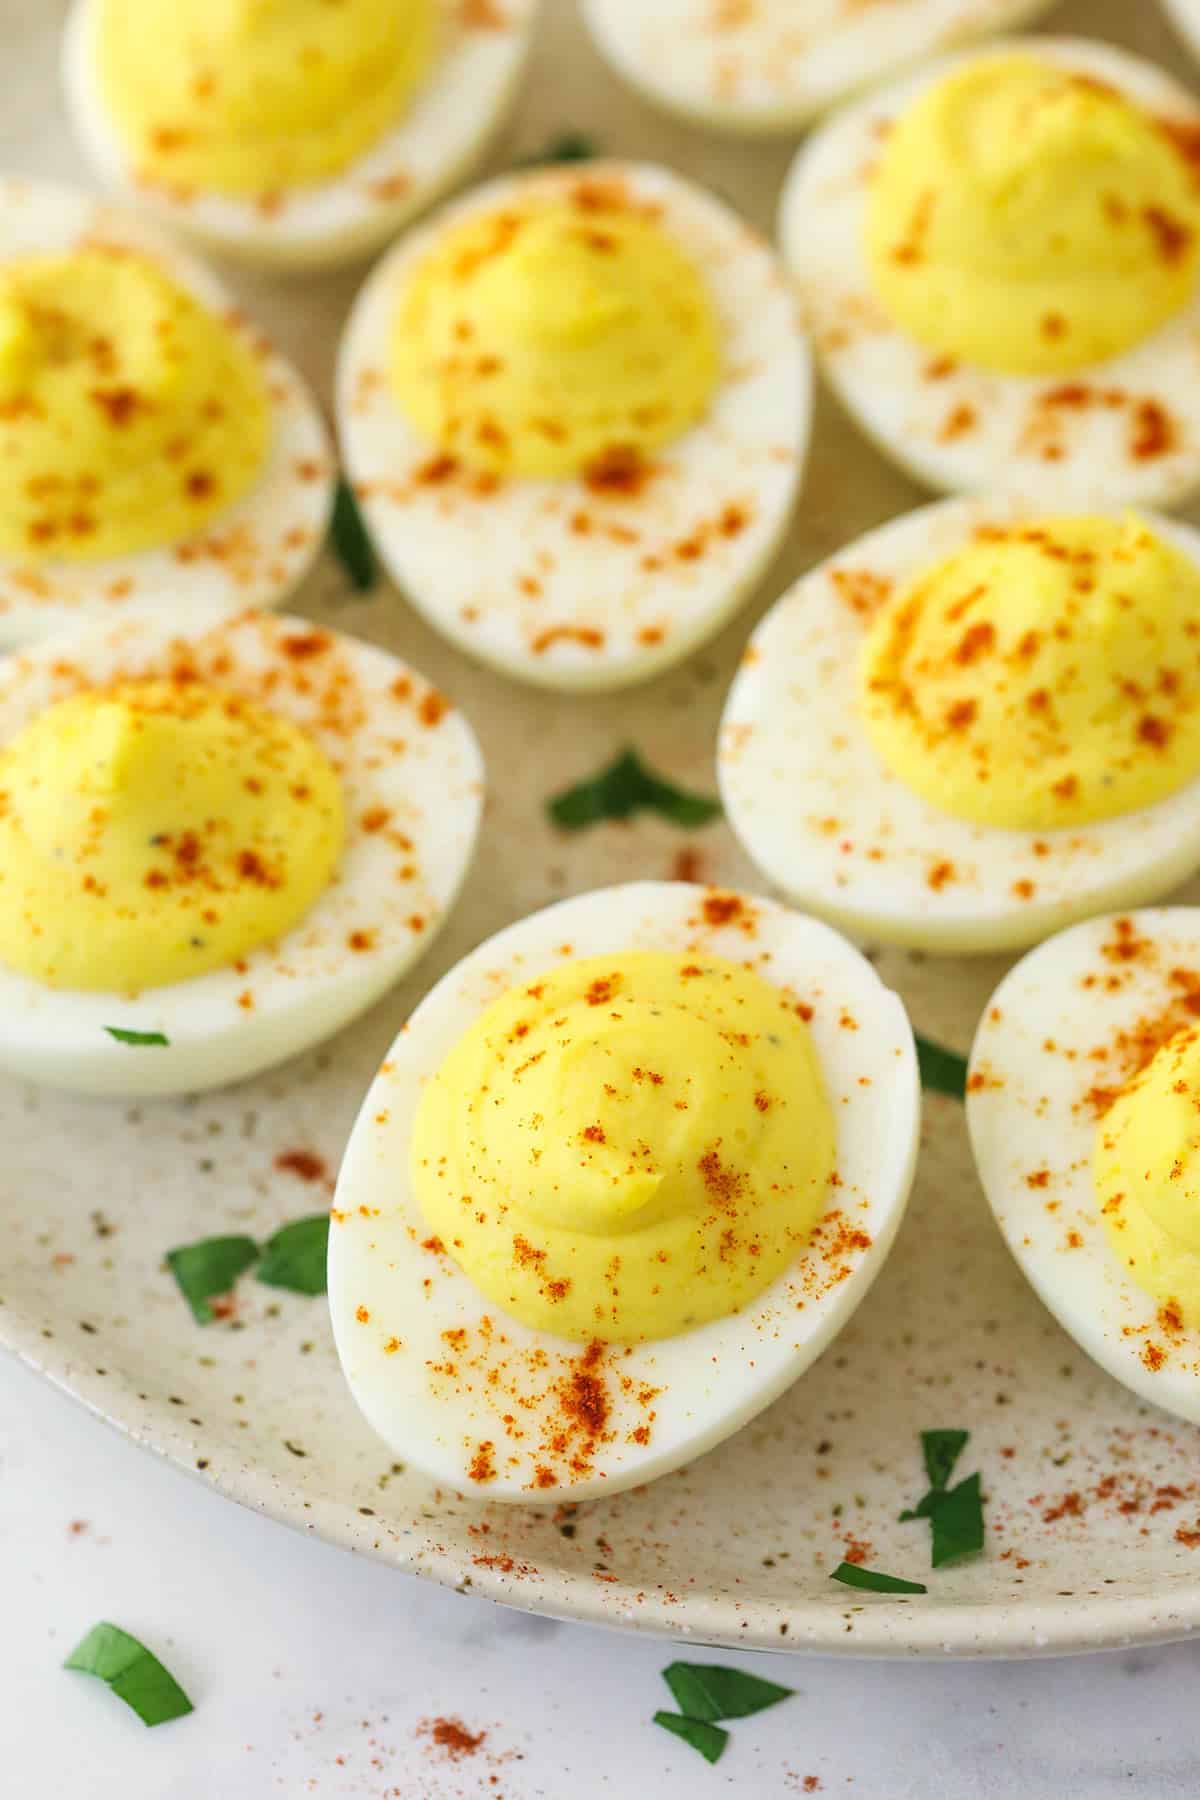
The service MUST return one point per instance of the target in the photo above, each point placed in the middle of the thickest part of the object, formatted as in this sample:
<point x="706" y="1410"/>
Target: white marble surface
<point x="312" y="1672"/>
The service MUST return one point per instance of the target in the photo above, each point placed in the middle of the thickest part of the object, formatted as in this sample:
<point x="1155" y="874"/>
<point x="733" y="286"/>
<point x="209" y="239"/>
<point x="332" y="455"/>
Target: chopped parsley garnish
<point x="627" y="787"/>
<point x="941" y="1450"/>
<point x="955" y="1514"/>
<point x="708" y="1739"/>
<point x="855" y="1576"/>
<point x="957" y="1522"/>
<point x="134" y="1674"/>
<point x="942" y="1071"/>
<point x="295" y="1257"/>
<point x="564" y="147"/>
<point x="704" y="1691"/>
<point x="151" y="1039"/>
<point x="348" y="535"/>
<point x="204" y="1270"/>
<point x="924" y="1507"/>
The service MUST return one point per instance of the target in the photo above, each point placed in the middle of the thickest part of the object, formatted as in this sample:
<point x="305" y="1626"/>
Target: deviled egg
<point x="1082" y="1104"/>
<point x="625" y="1173"/>
<point x="217" y="846"/>
<point x="292" y="131"/>
<point x="758" y="66"/>
<point x="575" y="408"/>
<point x="157" y="453"/>
<point x="1000" y="261"/>
<point x="975" y="725"/>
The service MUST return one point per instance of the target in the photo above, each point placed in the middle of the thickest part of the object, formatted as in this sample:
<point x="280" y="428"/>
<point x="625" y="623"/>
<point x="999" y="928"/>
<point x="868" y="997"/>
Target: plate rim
<point x="897" y="1629"/>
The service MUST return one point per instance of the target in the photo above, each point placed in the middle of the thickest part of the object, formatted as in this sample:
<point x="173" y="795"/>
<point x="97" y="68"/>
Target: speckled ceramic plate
<point x="1094" y="1496"/>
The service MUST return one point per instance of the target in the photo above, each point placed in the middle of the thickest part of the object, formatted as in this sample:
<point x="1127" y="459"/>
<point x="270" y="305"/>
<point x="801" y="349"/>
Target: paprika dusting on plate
<point x="306" y="1164"/>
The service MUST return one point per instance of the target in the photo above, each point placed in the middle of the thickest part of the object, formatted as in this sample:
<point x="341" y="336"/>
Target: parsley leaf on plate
<point x="153" y="1039"/>
<point x="957" y="1522"/>
<point x="348" y="535"/>
<point x="627" y="787"/>
<point x="924" y="1508"/>
<point x="208" y="1268"/>
<point x="564" y="147"/>
<point x="704" y="1691"/>
<point x="941" y="1450"/>
<point x="708" y="1739"/>
<point x="854" y="1575"/>
<point x="942" y="1071"/>
<point x="133" y="1673"/>
<point x="955" y="1514"/>
<point x="295" y="1257"/>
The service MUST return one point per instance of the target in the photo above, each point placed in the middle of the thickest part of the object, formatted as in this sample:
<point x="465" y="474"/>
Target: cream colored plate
<point x="1094" y="1497"/>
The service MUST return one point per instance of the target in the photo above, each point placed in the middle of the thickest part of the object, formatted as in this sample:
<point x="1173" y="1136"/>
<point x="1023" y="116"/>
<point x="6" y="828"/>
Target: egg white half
<point x="401" y="752"/>
<point x="550" y="581"/>
<point x="821" y="815"/>
<point x="759" y="66"/>
<point x="252" y="554"/>
<point x="451" y="121"/>
<point x="1047" y="1042"/>
<point x="392" y="1300"/>
<point x="1123" y="431"/>
<point x="1185" y="17"/>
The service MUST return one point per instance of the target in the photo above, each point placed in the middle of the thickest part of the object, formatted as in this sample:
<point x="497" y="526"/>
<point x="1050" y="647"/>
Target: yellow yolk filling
<point x="253" y="97"/>
<point x="1044" y="676"/>
<point x="1031" y="220"/>
<point x="1146" y="1170"/>
<point x="552" y="338"/>
<point x="628" y="1147"/>
<point x="153" y="831"/>
<point x="130" y="415"/>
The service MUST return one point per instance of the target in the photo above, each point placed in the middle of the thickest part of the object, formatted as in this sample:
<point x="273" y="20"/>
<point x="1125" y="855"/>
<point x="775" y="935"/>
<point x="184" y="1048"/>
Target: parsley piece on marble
<point x="708" y="1739"/>
<point x="134" y="1674"/>
<point x="706" y="1691"/>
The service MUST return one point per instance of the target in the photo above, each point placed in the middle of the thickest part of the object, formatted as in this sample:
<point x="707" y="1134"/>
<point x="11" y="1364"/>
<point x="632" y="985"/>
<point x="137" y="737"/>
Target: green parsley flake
<point x="295" y="1257"/>
<point x="941" y="1450"/>
<point x="924" y="1508"/>
<point x="942" y="1071"/>
<point x="208" y="1268"/>
<point x="855" y="1576"/>
<point x="134" y="1674"/>
<point x="144" y="1039"/>
<point x="627" y="787"/>
<point x="348" y="535"/>
<point x="705" y="1691"/>
<point x="564" y="147"/>
<point x="957" y="1523"/>
<point x="955" y="1514"/>
<point x="708" y="1739"/>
